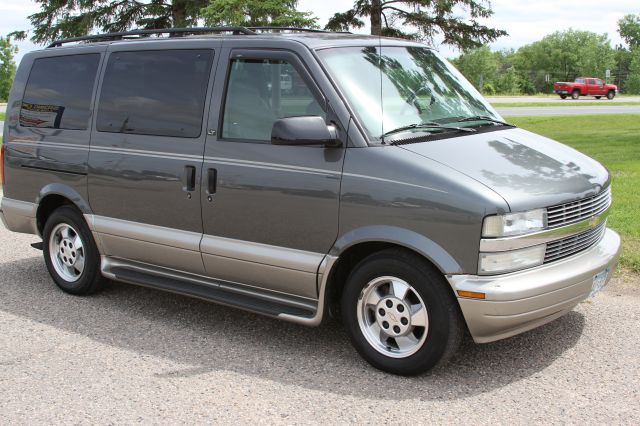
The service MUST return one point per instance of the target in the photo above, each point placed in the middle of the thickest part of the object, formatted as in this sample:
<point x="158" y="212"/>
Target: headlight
<point x="511" y="224"/>
<point x="507" y="261"/>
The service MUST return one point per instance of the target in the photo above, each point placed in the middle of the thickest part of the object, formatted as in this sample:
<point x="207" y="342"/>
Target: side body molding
<point x="402" y="237"/>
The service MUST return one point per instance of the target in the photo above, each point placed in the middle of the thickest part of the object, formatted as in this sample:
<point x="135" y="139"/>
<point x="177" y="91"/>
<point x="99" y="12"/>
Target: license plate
<point x="599" y="281"/>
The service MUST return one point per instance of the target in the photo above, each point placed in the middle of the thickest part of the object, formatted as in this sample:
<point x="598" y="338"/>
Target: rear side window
<point x="159" y="93"/>
<point x="58" y="92"/>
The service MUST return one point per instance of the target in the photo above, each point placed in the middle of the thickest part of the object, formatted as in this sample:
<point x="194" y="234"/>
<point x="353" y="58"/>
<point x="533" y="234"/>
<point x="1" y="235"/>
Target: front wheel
<point x="70" y="252"/>
<point x="575" y="94"/>
<point x="611" y="95"/>
<point x="400" y="313"/>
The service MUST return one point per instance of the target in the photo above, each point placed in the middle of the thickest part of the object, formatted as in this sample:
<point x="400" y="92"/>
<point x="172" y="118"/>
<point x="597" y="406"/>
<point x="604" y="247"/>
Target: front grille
<point x="575" y="211"/>
<point x="576" y="243"/>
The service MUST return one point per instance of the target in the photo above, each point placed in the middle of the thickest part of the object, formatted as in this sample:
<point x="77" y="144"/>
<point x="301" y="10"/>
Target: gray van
<point x="301" y="175"/>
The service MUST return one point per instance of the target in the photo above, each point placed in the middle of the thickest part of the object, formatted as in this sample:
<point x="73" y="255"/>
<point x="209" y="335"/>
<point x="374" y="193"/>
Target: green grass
<point x="614" y="140"/>
<point x="562" y="103"/>
<point x="2" y="115"/>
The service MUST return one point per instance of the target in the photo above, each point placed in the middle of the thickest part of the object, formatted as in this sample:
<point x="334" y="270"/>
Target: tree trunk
<point x="376" y="17"/>
<point x="179" y="13"/>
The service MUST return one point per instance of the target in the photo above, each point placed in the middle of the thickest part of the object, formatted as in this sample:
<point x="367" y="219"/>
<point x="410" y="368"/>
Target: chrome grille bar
<point x="575" y="211"/>
<point x="576" y="243"/>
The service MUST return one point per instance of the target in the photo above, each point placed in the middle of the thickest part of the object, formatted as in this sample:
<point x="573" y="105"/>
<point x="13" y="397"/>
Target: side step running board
<point x="213" y="291"/>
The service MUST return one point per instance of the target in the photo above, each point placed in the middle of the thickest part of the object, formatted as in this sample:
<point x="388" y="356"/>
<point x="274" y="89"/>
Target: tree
<point x="629" y="29"/>
<point x="565" y="55"/>
<point x="479" y="66"/>
<point x="73" y="18"/>
<point x="430" y="18"/>
<point x="258" y="13"/>
<point x="7" y="66"/>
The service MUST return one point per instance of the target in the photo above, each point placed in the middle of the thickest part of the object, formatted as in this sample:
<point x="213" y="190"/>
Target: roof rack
<point x="293" y="29"/>
<point x="173" y="32"/>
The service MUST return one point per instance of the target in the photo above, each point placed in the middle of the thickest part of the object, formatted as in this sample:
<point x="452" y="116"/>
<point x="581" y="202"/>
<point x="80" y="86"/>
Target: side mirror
<point x="306" y="130"/>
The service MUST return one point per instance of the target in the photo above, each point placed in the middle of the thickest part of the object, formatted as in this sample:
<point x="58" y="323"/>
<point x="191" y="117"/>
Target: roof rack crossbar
<point x="170" y="31"/>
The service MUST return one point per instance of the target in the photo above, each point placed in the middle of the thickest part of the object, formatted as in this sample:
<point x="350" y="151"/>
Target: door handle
<point x="189" y="178"/>
<point x="212" y="181"/>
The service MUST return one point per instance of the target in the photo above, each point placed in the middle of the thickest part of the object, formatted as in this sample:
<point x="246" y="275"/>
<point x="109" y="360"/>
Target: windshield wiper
<point x="427" y="125"/>
<point x="483" y="118"/>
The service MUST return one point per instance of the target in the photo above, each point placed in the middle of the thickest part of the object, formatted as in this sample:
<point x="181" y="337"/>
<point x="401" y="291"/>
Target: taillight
<point x="2" y="165"/>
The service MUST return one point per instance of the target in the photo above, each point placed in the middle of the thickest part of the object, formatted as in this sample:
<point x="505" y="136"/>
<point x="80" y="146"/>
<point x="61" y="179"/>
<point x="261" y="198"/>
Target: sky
<point x="525" y="20"/>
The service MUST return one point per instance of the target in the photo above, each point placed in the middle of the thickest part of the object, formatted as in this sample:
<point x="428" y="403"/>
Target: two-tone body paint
<point x="280" y="216"/>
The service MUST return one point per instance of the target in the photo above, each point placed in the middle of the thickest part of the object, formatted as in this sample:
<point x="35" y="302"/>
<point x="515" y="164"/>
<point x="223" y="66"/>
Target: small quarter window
<point x="58" y="92"/>
<point x="259" y="92"/>
<point x="160" y="92"/>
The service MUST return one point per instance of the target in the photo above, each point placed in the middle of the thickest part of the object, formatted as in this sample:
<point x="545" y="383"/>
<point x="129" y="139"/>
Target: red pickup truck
<point x="585" y="86"/>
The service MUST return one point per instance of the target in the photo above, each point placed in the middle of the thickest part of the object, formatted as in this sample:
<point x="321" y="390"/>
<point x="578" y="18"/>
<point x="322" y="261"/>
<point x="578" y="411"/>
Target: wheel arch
<point x="356" y="245"/>
<point x="56" y="195"/>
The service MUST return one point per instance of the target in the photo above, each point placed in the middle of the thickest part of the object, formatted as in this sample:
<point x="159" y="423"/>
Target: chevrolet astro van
<point x="302" y="174"/>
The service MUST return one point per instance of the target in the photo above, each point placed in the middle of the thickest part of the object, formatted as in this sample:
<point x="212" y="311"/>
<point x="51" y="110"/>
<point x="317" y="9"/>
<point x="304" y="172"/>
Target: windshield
<point x="393" y="87"/>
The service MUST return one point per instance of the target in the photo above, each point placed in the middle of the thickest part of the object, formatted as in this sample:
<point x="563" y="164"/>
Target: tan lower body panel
<point x="270" y="277"/>
<point x="152" y="253"/>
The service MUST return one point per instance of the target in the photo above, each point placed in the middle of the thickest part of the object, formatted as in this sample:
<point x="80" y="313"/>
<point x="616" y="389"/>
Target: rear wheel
<point x="70" y="252"/>
<point x="598" y="97"/>
<point x="400" y="314"/>
<point x="575" y="94"/>
<point x="611" y="94"/>
<point x="563" y="96"/>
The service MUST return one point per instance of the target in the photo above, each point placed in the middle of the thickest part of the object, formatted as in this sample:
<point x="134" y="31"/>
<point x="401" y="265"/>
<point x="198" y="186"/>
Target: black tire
<point x="611" y="94"/>
<point x="598" y="97"/>
<point x="575" y="94"/>
<point x="89" y="279"/>
<point x="445" y="323"/>
<point x="563" y="96"/>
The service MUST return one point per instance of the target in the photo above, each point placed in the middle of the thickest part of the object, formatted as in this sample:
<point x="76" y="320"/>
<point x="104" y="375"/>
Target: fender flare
<point x="401" y="237"/>
<point x="64" y="191"/>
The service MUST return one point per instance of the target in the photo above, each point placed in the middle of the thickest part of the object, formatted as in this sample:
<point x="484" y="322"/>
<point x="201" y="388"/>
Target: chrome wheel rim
<point x="66" y="252"/>
<point x="392" y="317"/>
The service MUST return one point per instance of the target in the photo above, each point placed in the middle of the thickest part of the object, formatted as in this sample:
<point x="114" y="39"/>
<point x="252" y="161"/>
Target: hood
<point x="527" y="170"/>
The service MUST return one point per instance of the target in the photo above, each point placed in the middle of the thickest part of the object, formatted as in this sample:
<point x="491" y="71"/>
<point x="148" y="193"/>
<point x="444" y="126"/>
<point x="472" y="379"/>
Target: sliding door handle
<point x="212" y="181"/>
<point x="189" y="178"/>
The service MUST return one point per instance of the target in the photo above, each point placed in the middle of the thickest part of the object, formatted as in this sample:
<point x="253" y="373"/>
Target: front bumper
<point x="523" y="300"/>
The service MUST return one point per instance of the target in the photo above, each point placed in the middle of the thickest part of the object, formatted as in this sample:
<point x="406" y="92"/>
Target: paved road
<point x="133" y="355"/>
<point x="569" y="110"/>
<point x="509" y="99"/>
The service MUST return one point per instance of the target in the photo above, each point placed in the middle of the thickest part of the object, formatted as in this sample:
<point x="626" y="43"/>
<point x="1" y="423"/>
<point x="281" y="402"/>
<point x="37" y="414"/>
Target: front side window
<point x="159" y="93"/>
<point x="260" y="91"/>
<point x="395" y="86"/>
<point x="58" y="92"/>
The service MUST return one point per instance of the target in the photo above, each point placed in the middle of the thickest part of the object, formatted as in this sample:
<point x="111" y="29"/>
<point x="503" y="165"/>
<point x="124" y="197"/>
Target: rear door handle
<point x="212" y="181"/>
<point x="189" y="178"/>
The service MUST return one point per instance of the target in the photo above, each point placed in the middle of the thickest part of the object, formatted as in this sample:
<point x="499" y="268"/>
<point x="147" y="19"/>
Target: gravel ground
<point x="133" y="355"/>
